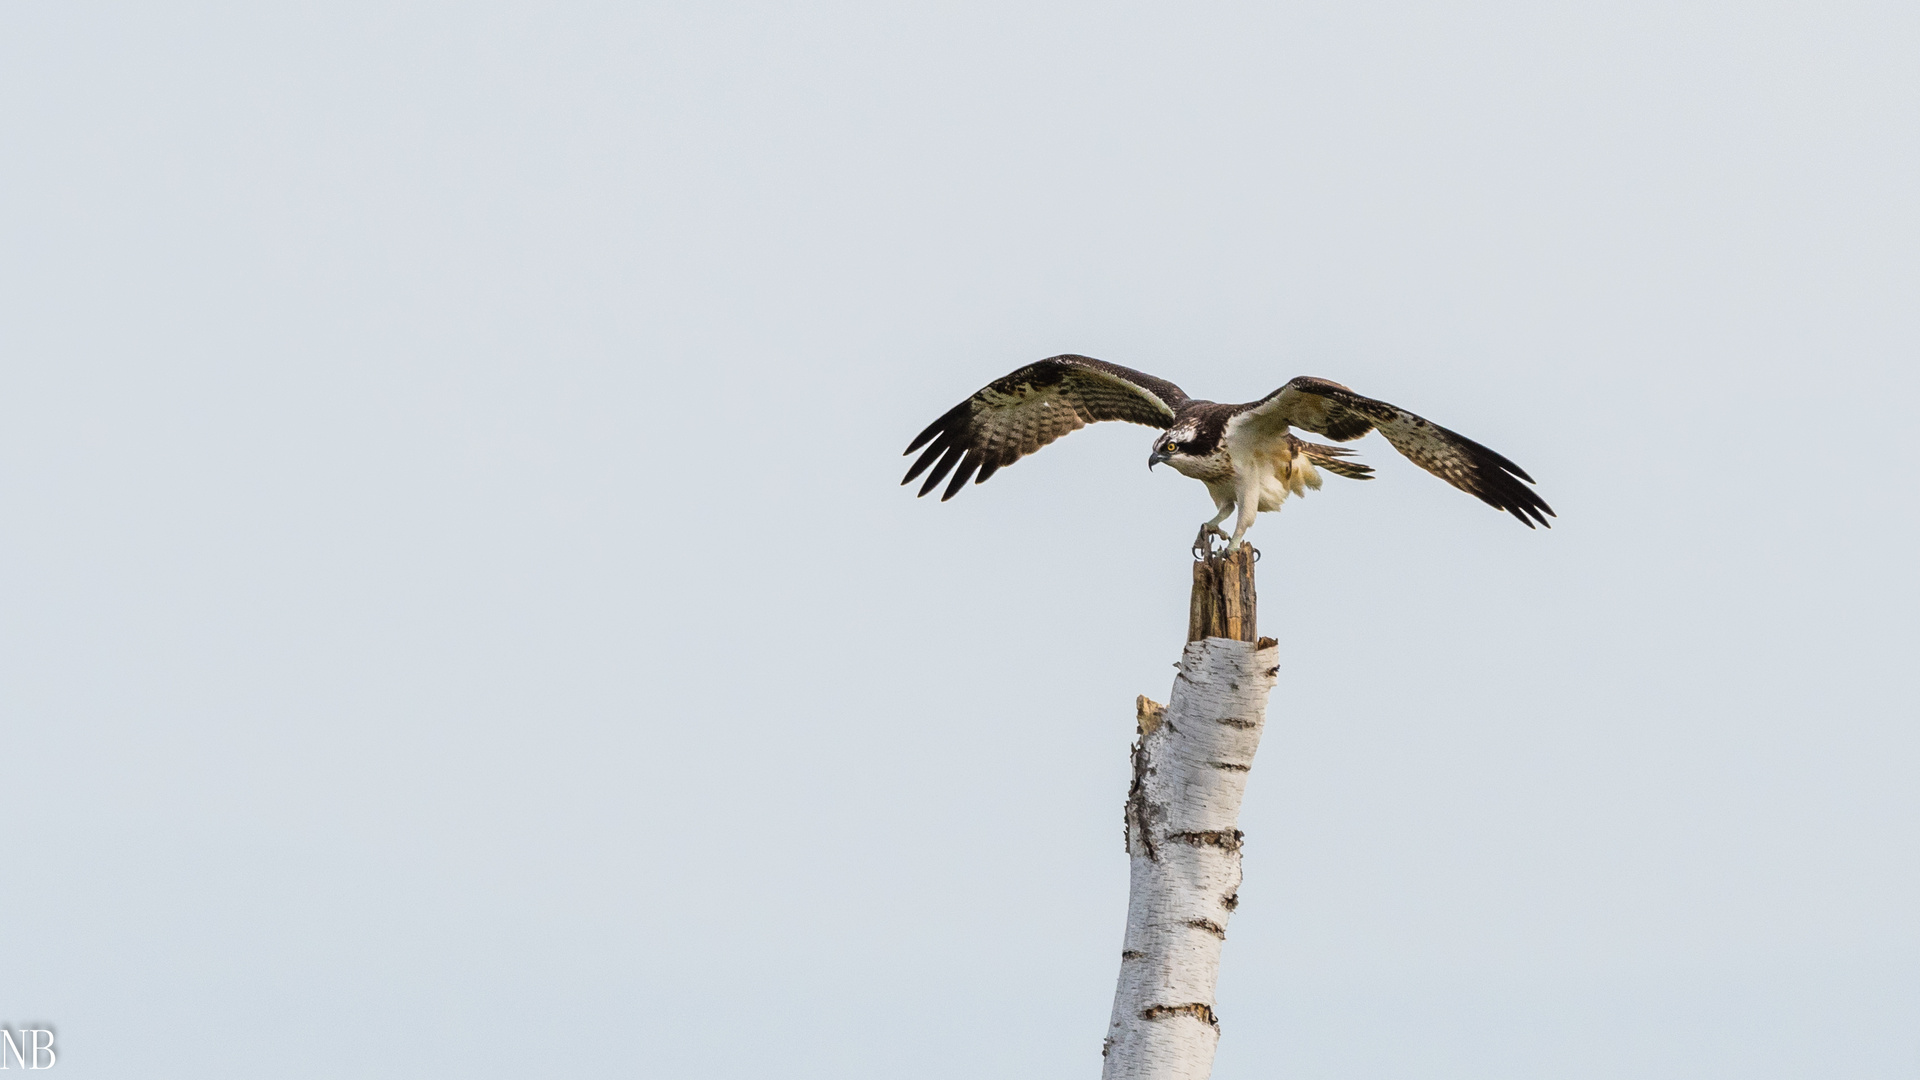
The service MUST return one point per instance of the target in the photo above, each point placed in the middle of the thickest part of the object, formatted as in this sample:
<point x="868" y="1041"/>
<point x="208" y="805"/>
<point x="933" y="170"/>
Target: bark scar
<point x="1210" y="927"/>
<point x="1198" y="1010"/>
<point x="1138" y="810"/>
<point x="1224" y="839"/>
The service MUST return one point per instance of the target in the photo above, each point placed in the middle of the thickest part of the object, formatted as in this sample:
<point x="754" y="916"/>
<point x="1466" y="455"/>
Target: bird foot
<point x="1203" y="543"/>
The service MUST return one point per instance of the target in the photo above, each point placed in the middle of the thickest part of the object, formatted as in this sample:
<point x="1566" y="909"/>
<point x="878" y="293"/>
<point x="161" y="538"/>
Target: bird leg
<point x="1202" y="545"/>
<point x="1249" y="509"/>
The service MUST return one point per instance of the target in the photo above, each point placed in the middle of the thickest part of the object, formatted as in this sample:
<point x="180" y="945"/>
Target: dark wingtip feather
<point x="948" y="459"/>
<point x="962" y="474"/>
<point x="949" y="422"/>
<point x="1497" y="482"/>
<point x="926" y="459"/>
<point x="1524" y="504"/>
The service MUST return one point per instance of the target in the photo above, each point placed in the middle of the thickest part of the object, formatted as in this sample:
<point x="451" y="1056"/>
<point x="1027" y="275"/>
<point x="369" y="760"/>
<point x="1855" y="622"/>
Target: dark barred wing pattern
<point x="1465" y="464"/>
<point x="1329" y="409"/>
<point x="1019" y="413"/>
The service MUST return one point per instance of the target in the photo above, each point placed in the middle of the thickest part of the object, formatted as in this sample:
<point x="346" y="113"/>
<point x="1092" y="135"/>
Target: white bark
<point x="1189" y="773"/>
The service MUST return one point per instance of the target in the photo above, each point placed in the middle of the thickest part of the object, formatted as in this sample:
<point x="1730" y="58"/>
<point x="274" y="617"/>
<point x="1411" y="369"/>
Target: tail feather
<point x="1331" y="458"/>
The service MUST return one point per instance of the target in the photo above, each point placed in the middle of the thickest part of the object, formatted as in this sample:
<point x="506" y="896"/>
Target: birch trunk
<point x="1189" y="774"/>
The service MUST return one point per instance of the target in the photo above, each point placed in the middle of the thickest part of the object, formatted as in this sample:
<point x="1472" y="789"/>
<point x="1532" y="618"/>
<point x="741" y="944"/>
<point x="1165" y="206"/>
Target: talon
<point x="1203" y="543"/>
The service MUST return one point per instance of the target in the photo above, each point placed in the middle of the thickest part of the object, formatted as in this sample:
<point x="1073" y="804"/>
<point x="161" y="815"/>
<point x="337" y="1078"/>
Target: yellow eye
<point x="1172" y="446"/>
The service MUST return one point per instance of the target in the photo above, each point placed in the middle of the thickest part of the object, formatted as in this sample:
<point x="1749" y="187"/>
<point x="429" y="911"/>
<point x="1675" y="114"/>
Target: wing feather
<point x="1025" y="410"/>
<point x="949" y="456"/>
<point x="1329" y="409"/>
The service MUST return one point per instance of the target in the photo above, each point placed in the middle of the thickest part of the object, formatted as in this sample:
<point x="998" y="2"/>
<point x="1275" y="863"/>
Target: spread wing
<point x="1019" y="413"/>
<point x="1330" y="409"/>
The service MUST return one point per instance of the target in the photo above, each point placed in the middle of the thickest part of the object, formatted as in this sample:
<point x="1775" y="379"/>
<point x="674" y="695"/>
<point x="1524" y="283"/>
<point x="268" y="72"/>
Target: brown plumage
<point x="1245" y="454"/>
<point x="1025" y="410"/>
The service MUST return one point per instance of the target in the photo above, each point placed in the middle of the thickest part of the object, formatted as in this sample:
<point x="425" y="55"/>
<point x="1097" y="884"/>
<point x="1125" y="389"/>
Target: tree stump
<point x="1190" y="770"/>
<point x="1223" y="598"/>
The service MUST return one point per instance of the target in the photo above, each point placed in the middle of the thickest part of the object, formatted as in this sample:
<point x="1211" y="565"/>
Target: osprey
<point x="1247" y="455"/>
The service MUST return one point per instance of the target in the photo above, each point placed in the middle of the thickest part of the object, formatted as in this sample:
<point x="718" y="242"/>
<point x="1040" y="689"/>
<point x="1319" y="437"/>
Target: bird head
<point x="1172" y="445"/>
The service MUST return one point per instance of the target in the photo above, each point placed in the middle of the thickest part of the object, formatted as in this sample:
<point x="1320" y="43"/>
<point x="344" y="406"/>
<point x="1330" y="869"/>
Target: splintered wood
<point x="1223" y="598"/>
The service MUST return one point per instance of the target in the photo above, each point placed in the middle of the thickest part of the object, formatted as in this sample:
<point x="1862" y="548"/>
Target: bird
<point x="1246" y="455"/>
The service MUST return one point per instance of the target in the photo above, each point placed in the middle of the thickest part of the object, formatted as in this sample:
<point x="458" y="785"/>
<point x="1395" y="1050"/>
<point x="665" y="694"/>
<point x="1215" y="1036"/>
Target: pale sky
<point x="460" y="616"/>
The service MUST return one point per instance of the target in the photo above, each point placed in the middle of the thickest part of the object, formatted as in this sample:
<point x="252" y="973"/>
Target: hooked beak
<point x="1156" y="458"/>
